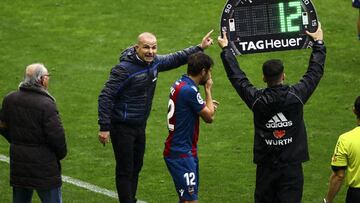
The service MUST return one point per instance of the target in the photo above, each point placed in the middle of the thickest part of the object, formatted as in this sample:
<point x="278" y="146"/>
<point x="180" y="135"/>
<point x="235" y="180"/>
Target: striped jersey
<point x="183" y="120"/>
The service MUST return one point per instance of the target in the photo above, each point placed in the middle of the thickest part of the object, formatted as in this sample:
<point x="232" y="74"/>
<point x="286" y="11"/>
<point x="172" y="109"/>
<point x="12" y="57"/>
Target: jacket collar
<point x="129" y="55"/>
<point x="276" y="86"/>
<point x="35" y="88"/>
<point x="187" y="79"/>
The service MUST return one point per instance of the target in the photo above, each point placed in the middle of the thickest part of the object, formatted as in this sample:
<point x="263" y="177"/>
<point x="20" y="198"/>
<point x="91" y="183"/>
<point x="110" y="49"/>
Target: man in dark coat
<point x="30" y="121"/>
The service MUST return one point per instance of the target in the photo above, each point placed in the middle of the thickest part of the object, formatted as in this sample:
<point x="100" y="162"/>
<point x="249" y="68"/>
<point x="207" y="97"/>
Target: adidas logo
<point x="278" y="121"/>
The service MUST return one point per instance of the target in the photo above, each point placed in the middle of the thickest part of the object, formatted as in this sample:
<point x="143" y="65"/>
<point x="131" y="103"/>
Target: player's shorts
<point x="353" y="195"/>
<point x="356" y="3"/>
<point x="185" y="174"/>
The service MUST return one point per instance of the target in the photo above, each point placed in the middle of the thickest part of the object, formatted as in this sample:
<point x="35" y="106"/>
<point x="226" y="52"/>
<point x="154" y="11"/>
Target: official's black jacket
<point x="36" y="136"/>
<point x="127" y="95"/>
<point x="280" y="134"/>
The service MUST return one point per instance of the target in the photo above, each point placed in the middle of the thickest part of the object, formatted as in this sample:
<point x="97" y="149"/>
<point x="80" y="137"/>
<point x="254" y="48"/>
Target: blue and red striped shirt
<point x="184" y="106"/>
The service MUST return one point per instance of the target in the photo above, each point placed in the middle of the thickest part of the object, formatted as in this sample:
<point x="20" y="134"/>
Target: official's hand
<point x="207" y="41"/>
<point x="104" y="137"/>
<point x="318" y="35"/>
<point x="223" y="41"/>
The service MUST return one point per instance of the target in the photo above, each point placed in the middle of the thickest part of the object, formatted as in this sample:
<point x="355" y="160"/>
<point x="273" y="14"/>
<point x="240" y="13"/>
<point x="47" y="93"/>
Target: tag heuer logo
<point x="278" y="121"/>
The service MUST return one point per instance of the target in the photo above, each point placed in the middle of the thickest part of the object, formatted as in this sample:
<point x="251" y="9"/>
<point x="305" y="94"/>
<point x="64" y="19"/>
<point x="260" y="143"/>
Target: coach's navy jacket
<point x="127" y="95"/>
<point x="280" y="134"/>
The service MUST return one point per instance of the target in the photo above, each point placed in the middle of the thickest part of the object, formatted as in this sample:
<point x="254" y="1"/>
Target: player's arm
<point x="336" y="180"/>
<point x="208" y="112"/>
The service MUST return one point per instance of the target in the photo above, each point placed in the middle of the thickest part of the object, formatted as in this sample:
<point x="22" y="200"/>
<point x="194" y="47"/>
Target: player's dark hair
<point x="273" y="70"/>
<point x="357" y="107"/>
<point x="198" y="61"/>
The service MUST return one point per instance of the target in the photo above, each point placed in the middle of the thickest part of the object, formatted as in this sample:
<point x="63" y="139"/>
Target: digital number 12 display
<point x="268" y="18"/>
<point x="288" y="19"/>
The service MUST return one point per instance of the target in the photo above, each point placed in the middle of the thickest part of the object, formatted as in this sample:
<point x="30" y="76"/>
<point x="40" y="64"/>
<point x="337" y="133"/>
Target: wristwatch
<point x="319" y="42"/>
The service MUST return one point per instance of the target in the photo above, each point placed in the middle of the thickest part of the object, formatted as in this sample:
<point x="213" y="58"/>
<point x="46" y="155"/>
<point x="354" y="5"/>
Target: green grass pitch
<point x="80" y="41"/>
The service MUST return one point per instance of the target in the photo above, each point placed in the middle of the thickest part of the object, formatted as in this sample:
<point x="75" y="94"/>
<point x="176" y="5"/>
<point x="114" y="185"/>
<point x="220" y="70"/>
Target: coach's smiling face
<point x="146" y="47"/>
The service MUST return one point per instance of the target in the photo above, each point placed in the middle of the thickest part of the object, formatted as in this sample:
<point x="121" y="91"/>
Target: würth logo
<point x="278" y="121"/>
<point x="279" y="133"/>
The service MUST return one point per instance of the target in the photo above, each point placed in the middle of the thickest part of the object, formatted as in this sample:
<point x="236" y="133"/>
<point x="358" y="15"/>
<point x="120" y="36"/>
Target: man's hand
<point x="208" y="84"/>
<point x="208" y="112"/>
<point x="318" y="35"/>
<point x="104" y="137"/>
<point x="223" y="41"/>
<point x="2" y="124"/>
<point x="216" y="104"/>
<point x="206" y="41"/>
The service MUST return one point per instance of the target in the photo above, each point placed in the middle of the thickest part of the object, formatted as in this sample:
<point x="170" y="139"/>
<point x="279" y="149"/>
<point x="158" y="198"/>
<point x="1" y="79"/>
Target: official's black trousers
<point x="353" y="195"/>
<point x="279" y="184"/>
<point x="129" y="147"/>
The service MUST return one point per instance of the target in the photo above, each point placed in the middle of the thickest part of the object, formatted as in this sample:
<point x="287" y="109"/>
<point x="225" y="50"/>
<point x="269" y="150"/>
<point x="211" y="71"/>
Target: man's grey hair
<point x="33" y="74"/>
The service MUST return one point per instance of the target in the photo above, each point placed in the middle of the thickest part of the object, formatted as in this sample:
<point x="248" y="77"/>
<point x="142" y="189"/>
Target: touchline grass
<point x="80" y="41"/>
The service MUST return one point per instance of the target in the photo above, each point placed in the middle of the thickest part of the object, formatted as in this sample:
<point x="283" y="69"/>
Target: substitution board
<point x="255" y="26"/>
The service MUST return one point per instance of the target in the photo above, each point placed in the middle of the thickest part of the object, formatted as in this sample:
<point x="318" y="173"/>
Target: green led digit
<point x="282" y="17"/>
<point x="290" y="27"/>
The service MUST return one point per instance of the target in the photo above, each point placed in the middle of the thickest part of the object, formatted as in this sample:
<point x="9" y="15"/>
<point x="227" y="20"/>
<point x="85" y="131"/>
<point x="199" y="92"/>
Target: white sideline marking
<point x="89" y="186"/>
<point x="79" y="183"/>
<point x="4" y="158"/>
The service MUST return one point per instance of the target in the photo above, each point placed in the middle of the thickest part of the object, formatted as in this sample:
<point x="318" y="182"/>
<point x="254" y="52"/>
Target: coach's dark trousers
<point x="129" y="148"/>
